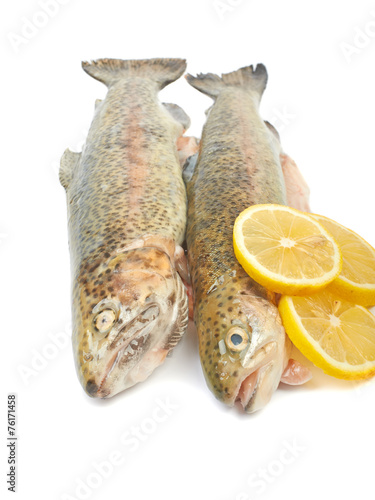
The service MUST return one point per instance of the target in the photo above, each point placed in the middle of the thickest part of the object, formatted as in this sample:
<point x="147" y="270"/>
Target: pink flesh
<point x="186" y="146"/>
<point x="297" y="190"/>
<point x="295" y="373"/>
<point x="247" y="388"/>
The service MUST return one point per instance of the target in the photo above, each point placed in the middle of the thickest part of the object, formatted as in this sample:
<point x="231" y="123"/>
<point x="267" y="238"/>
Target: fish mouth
<point x="247" y="389"/>
<point x="249" y="384"/>
<point x="125" y="344"/>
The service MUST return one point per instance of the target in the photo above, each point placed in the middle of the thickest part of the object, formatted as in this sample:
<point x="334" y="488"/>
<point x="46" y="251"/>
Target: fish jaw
<point x="145" y="298"/>
<point x="249" y="375"/>
<point x="127" y="344"/>
<point x="257" y="389"/>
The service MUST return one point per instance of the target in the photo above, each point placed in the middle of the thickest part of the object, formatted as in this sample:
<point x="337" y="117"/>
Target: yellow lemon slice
<point x="285" y="250"/>
<point x="356" y="282"/>
<point x="334" y="334"/>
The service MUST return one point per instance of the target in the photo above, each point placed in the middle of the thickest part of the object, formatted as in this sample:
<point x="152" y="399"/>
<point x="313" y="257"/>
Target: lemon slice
<point x="334" y="334"/>
<point x="356" y="282"/>
<point x="285" y="250"/>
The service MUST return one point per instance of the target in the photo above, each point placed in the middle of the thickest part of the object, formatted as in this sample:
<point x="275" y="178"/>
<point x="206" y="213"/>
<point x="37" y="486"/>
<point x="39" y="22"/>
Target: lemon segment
<point x="334" y="334"/>
<point x="285" y="250"/>
<point x="356" y="283"/>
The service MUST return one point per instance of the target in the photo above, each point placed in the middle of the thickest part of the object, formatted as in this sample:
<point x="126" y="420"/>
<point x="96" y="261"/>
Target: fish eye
<point x="237" y="339"/>
<point x="104" y="320"/>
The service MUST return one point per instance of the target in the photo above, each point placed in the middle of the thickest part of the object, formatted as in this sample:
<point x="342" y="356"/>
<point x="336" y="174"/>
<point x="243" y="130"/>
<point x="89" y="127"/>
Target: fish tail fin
<point x="108" y="71"/>
<point x="253" y="79"/>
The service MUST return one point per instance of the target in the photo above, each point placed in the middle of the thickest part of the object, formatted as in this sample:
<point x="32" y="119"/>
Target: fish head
<point x="129" y="312"/>
<point x="243" y="347"/>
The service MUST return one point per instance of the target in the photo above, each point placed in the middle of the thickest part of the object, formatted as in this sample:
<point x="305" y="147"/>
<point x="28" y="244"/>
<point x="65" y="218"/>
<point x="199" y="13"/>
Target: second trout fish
<point x="243" y="346"/>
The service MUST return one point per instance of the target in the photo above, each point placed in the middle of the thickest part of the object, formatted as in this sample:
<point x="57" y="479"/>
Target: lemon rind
<point x="362" y="294"/>
<point x="271" y="280"/>
<point x="312" y="349"/>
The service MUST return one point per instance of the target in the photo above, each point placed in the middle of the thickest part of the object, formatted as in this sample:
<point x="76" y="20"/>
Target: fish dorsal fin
<point x="178" y="114"/>
<point x="208" y="110"/>
<point x="189" y="168"/>
<point x="273" y="130"/>
<point x="68" y="163"/>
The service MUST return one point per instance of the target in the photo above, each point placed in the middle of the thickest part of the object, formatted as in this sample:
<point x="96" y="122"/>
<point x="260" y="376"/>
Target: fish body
<point x="243" y="346"/>
<point x="127" y="218"/>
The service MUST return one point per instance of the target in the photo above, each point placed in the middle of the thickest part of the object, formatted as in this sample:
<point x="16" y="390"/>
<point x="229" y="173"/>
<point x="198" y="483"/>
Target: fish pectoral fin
<point x="183" y="270"/>
<point x="180" y="262"/>
<point x="189" y="291"/>
<point x="178" y="114"/>
<point x="189" y="167"/>
<point x="295" y="373"/>
<point x="68" y="163"/>
<point x="297" y="189"/>
<point x="97" y="102"/>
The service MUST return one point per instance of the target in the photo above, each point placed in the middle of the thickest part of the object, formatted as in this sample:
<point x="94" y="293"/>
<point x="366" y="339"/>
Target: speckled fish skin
<point x="238" y="165"/>
<point x="127" y="218"/>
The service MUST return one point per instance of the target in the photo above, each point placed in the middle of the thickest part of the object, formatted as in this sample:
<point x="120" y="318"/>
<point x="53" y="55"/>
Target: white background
<point x="202" y="449"/>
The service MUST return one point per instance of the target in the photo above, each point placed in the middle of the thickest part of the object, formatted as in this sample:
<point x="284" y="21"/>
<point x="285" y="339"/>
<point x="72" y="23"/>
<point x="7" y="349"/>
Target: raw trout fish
<point x="243" y="347"/>
<point x="127" y="219"/>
